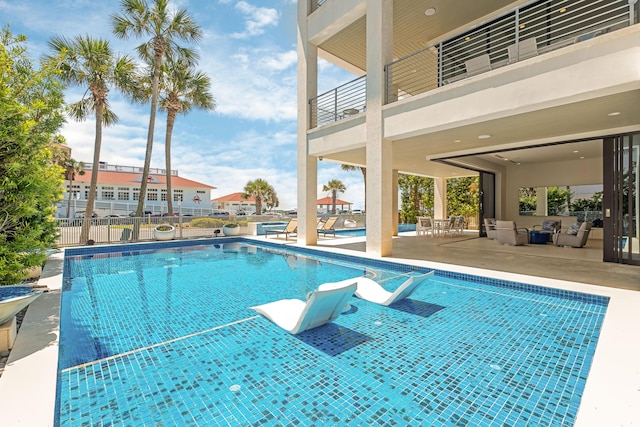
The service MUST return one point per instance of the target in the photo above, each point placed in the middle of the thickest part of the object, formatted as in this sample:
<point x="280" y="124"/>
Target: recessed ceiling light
<point x="518" y="163"/>
<point x="505" y="159"/>
<point x="467" y="38"/>
<point x="563" y="10"/>
<point x="582" y="157"/>
<point x="457" y="140"/>
<point x="576" y="151"/>
<point x="614" y="113"/>
<point x="522" y="26"/>
<point x="485" y="136"/>
<point x="430" y="12"/>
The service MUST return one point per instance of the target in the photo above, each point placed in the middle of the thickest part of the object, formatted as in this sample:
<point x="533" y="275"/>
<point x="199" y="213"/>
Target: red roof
<point x="234" y="197"/>
<point x="328" y="201"/>
<point x="130" y="178"/>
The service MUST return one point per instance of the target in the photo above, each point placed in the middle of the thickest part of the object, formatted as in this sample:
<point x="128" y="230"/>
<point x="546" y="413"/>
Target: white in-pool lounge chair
<point x="323" y="305"/>
<point x="371" y="290"/>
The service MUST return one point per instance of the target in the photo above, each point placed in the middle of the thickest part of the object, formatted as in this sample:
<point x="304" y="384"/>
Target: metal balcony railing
<point x="315" y="4"/>
<point x="343" y="102"/>
<point x="523" y="33"/>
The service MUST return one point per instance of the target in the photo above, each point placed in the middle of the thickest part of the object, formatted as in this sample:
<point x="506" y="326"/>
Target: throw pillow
<point x="573" y="229"/>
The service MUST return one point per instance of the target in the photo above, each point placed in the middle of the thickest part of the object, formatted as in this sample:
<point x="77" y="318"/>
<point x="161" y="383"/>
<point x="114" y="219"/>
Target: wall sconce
<point x="320" y="158"/>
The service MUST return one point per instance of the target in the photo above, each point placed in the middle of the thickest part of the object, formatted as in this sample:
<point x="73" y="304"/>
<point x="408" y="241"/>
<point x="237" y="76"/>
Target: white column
<point x="541" y="201"/>
<point x="379" y="151"/>
<point x="440" y="198"/>
<point x="307" y="165"/>
<point x="394" y="201"/>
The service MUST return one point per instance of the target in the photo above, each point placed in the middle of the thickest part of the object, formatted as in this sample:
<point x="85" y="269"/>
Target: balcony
<point x="517" y="35"/>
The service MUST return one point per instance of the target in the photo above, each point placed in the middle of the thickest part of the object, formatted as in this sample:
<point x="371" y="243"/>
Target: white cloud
<point x="257" y="19"/>
<point x="281" y="61"/>
<point x="254" y="84"/>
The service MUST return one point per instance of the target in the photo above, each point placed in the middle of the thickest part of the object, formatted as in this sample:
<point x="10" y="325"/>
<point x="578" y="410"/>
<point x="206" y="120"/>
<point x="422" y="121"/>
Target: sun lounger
<point x="328" y="226"/>
<point x="372" y="291"/>
<point x="323" y="305"/>
<point x="290" y="228"/>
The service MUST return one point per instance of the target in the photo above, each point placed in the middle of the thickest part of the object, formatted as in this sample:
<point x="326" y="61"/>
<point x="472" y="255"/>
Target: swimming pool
<point x="165" y="337"/>
<point x="359" y="232"/>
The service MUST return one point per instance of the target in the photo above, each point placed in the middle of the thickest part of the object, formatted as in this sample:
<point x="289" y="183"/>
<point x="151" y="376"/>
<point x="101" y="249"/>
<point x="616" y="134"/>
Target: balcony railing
<point x="526" y="32"/>
<point x="315" y="4"/>
<point x="343" y="102"/>
<point x="520" y="34"/>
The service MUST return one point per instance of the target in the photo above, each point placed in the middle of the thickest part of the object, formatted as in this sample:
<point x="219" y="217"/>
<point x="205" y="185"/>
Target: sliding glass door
<point x="487" y="199"/>
<point x="622" y="199"/>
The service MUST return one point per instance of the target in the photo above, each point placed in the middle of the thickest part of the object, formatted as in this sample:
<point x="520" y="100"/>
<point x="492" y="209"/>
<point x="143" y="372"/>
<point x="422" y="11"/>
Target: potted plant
<point x="164" y="232"/>
<point x="231" y="229"/>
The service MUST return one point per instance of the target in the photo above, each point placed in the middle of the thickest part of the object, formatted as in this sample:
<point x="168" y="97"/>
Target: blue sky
<point x="248" y="50"/>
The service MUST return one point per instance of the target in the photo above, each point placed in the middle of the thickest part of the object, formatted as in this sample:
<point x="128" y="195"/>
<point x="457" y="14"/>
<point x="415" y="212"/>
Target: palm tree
<point x="350" y="168"/>
<point x="72" y="167"/>
<point x="184" y="89"/>
<point x="334" y="186"/>
<point x="84" y="61"/>
<point x="140" y="19"/>
<point x="271" y="199"/>
<point x="260" y="190"/>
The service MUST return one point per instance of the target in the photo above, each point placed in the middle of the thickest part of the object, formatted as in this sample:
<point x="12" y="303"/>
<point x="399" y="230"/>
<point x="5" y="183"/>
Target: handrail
<point x="345" y="101"/>
<point x="315" y="4"/>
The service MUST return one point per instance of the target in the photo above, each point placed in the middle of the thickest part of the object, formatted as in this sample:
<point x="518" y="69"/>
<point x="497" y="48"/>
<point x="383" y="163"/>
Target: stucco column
<point x="394" y="201"/>
<point x="379" y="151"/>
<point x="307" y="165"/>
<point x="440" y="198"/>
<point x="542" y="208"/>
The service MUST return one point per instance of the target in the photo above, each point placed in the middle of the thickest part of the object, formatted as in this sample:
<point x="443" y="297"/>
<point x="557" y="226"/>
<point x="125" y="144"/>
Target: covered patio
<point x="582" y="265"/>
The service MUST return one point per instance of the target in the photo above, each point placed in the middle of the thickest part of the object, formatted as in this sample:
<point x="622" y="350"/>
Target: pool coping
<point x="610" y="396"/>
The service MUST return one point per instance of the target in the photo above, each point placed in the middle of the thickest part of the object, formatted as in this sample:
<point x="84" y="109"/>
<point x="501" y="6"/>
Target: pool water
<point x="359" y="232"/>
<point x="166" y="337"/>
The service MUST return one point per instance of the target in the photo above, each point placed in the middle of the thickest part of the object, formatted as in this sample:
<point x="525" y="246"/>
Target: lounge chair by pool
<point x="290" y="228"/>
<point x="371" y="290"/>
<point x="323" y="305"/>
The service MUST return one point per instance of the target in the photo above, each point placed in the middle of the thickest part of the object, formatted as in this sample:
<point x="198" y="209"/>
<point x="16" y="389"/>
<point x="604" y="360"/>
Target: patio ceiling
<point x="412" y="29"/>
<point x="510" y="136"/>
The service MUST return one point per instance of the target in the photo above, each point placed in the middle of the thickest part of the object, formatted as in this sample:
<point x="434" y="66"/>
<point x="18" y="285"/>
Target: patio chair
<point x="526" y="49"/>
<point x="576" y="240"/>
<point x="478" y="65"/>
<point x="490" y="228"/>
<point x="328" y="226"/>
<point x="448" y="227"/>
<point x="424" y="226"/>
<point x="290" y="228"/>
<point x="372" y="291"/>
<point x="509" y="234"/>
<point x="323" y="305"/>
<point x="458" y="225"/>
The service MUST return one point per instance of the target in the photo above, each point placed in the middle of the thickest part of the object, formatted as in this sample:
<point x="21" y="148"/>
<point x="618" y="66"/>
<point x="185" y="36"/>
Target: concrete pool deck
<point x="612" y="389"/>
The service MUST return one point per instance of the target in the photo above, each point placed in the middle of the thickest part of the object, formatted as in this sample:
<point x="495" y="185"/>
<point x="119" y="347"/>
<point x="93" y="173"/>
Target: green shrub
<point x="206" y="223"/>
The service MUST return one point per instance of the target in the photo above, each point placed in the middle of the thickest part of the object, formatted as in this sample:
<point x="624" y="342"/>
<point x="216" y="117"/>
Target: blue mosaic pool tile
<point x="175" y="344"/>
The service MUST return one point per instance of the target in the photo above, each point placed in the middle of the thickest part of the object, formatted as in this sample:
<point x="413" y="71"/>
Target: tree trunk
<point x="93" y="189"/>
<point x="157" y="59"/>
<point x="70" y="193"/>
<point x="171" y="118"/>
<point x="334" y="196"/>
